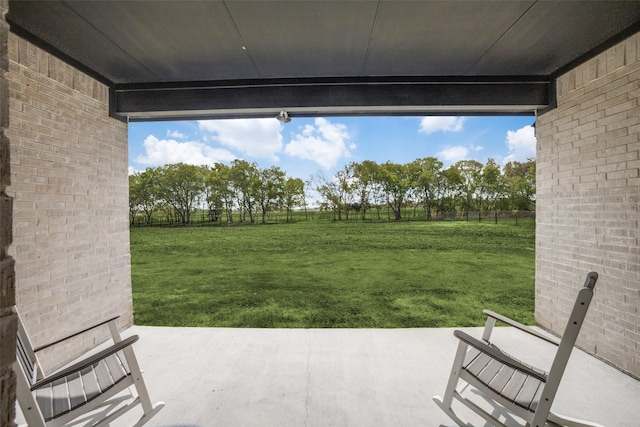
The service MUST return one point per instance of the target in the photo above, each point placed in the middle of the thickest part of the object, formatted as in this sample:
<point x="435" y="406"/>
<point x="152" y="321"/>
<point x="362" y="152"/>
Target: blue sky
<point x="306" y="146"/>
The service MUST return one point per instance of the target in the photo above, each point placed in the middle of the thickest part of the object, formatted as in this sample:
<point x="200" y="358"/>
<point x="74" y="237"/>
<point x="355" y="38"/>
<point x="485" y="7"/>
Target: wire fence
<point x="202" y="218"/>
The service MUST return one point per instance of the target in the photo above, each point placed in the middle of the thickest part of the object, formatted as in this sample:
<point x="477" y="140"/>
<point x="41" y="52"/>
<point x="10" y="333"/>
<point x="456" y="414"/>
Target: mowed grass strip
<point x="333" y="274"/>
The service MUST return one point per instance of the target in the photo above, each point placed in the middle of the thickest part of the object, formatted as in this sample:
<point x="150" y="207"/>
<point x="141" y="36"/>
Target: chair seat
<point x="517" y="387"/>
<point x="65" y="394"/>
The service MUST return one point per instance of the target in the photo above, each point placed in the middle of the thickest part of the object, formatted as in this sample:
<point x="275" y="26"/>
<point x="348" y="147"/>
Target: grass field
<point x="333" y="274"/>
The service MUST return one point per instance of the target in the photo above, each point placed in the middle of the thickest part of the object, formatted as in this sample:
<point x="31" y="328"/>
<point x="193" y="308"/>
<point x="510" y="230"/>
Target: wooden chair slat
<point x="60" y="398"/>
<point x="115" y="367"/>
<point x="25" y="361"/>
<point x="513" y="387"/>
<point x="68" y="394"/>
<point x="478" y="363"/>
<point x="518" y="387"/>
<point x="472" y="353"/>
<point x="490" y="371"/>
<point x="90" y="382"/>
<point x="77" y="396"/>
<point x="123" y="361"/>
<point x="104" y="378"/>
<point x="527" y="395"/>
<point x="501" y="379"/>
<point x="45" y="402"/>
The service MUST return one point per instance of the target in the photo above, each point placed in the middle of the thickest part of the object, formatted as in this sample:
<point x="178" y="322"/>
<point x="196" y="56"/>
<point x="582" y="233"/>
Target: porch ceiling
<point x="179" y="59"/>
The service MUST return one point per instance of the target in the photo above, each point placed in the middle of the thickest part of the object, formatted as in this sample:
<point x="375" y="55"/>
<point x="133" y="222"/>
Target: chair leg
<point x="449" y="411"/>
<point x="445" y="403"/>
<point x="149" y="410"/>
<point x="571" y="422"/>
<point x="147" y="416"/>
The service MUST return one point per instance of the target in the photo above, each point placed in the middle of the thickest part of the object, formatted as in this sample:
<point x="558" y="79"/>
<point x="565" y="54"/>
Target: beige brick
<point x="615" y="141"/>
<point x="624" y="123"/>
<point x="590" y="71"/>
<point x="68" y="170"/>
<point x="589" y="115"/>
<point x="631" y="48"/>
<point x="620" y="89"/>
<point x="588" y="202"/>
<point x="572" y="99"/>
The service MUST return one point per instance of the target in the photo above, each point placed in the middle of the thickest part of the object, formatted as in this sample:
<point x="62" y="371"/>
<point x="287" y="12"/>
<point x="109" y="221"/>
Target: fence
<point x="201" y="218"/>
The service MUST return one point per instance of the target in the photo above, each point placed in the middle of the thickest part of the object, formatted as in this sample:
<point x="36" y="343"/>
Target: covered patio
<point x="73" y="74"/>
<point x="341" y="377"/>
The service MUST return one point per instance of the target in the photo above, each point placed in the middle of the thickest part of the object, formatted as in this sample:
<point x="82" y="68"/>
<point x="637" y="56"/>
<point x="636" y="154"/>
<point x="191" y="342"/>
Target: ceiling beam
<point x="520" y="95"/>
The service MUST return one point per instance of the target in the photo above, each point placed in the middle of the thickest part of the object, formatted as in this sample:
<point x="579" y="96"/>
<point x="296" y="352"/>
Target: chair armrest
<point x="51" y="344"/>
<point x="82" y="364"/>
<point x="520" y="326"/>
<point x="498" y="355"/>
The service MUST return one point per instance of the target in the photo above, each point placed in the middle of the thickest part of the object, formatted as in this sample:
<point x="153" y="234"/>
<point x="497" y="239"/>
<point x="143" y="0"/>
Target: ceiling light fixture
<point x="283" y="117"/>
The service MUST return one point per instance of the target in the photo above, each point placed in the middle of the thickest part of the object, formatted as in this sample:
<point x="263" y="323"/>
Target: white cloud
<point x="175" y="134"/>
<point x="323" y="142"/>
<point x="167" y="151"/>
<point x="521" y="144"/>
<point x="432" y="124"/>
<point x="132" y="170"/>
<point x="452" y="154"/>
<point x="260" y="138"/>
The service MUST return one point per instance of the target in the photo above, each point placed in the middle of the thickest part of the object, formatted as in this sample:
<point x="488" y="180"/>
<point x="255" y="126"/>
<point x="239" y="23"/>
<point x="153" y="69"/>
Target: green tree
<point x="345" y="187"/>
<point x="292" y="195"/>
<point x="364" y="175"/>
<point x="491" y="187"/>
<point x="219" y="192"/>
<point x="175" y="190"/>
<point x="269" y="190"/>
<point x="428" y="182"/>
<point x="396" y="180"/>
<point x="180" y="186"/>
<point x="134" y="204"/>
<point x="144" y="192"/>
<point x="450" y="189"/>
<point x="245" y="177"/>
<point x="520" y="180"/>
<point x="329" y="192"/>
<point x="470" y="172"/>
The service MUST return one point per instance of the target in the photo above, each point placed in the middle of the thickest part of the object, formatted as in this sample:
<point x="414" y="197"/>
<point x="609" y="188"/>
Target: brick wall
<point x="70" y="200"/>
<point x="588" y="201"/>
<point x="7" y="288"/>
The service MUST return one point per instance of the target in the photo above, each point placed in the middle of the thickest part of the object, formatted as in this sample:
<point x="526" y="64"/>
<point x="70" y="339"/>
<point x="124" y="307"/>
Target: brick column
<point x="588" y="203"/>
<point x="70" y="191"/>
<point x="7" y="282"/>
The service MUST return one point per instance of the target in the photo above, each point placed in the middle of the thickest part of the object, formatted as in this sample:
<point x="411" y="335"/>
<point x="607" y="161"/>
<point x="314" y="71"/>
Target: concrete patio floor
<point x="342" y="377"/>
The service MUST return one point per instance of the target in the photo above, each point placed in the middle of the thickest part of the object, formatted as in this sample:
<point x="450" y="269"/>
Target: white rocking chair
<point x="91" y="384"/>
<point x="519" y="388"/>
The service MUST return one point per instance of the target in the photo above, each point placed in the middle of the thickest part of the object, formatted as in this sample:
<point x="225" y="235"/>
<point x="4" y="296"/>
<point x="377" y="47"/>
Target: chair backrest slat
<point x="25" y="355"/>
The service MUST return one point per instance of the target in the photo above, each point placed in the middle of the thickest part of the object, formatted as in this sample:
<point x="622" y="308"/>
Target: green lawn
<point x="333" y="274"/>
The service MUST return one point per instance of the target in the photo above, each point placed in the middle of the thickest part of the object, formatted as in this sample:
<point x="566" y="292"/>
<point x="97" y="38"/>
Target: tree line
<point x="175" y="191"/>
